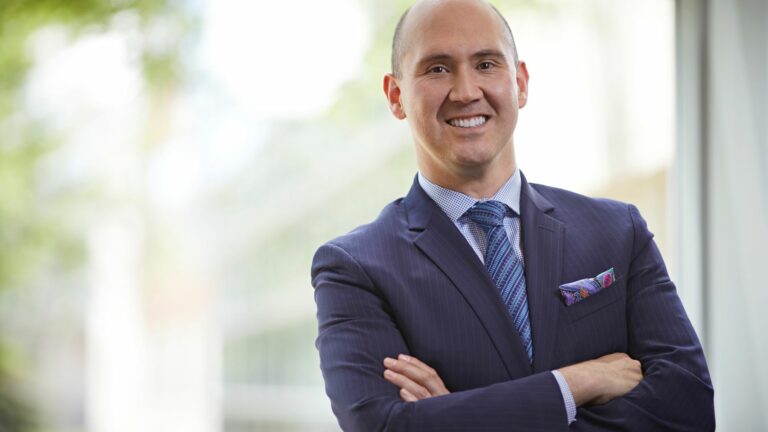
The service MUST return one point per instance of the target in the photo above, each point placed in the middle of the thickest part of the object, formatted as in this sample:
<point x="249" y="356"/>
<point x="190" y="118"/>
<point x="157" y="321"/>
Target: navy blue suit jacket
<point x="410" y="283"/>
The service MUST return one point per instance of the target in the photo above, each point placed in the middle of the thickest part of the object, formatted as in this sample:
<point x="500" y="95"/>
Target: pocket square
<point x="574" y="292"/>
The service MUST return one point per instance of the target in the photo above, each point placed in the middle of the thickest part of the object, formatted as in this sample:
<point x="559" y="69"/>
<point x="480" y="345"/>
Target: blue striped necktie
<point x="505" y="268"/>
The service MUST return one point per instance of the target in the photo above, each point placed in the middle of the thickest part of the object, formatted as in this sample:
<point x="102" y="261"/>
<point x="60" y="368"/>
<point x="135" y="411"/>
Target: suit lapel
<point x="542" y="242"/>
<point x="439" y="239"/>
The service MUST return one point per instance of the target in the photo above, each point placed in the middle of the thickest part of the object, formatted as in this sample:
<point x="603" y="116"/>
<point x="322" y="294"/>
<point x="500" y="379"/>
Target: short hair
<point x="398" y="45"/>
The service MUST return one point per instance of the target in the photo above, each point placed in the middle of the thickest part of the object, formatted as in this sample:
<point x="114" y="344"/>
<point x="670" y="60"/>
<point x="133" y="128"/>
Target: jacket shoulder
<point x="386" y="226"/>
<point x="568" y="202"/>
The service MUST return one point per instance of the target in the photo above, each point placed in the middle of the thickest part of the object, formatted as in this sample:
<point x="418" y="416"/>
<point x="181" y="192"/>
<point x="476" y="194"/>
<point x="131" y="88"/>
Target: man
<point x="482" y="302"/>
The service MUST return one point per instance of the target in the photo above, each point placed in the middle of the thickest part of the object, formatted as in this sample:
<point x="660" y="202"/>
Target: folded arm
<point x="590" y="382"/>
<point x="675" y="392"/>
<point x="357" y="331"/>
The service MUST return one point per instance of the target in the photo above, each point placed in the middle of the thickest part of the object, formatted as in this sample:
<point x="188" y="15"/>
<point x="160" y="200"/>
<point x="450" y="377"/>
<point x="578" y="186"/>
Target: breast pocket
<point x="594" y="326"/>
<point x="596" y="302"/>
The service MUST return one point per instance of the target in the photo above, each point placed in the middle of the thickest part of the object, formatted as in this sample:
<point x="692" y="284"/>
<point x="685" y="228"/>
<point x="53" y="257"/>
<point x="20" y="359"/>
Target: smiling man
<point x="482" y="302"/>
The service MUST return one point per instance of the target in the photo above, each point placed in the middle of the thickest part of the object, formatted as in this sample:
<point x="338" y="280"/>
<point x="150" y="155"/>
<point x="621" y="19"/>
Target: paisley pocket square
<point x="574" y="292"/>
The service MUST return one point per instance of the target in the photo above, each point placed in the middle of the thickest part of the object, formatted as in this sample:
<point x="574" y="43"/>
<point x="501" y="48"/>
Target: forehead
<point x="454" y="27"/>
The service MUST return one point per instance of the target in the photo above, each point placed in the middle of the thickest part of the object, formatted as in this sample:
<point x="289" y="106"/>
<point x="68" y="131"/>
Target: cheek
<point x="501" y="91"/>
<point x="430" y="98"/>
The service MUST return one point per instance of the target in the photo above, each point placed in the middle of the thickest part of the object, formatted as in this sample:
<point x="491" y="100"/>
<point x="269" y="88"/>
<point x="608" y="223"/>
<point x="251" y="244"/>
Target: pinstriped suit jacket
<point x="410" y="283"/>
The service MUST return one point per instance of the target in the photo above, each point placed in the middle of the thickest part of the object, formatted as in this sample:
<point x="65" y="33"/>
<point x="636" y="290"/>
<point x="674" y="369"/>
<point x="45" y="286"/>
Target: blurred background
<point x="168" y="168"/>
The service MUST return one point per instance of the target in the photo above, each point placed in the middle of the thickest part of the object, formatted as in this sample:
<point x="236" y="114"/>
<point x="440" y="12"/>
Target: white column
<point x="114" y="335"/>
<point x="738" y="212"/>
<point x="687" y="187"/>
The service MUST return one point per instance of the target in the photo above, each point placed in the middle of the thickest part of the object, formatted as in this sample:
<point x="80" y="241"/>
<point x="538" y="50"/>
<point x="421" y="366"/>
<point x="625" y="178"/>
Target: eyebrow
<point x="489" y="53"/>
<point x="438" y="57"/>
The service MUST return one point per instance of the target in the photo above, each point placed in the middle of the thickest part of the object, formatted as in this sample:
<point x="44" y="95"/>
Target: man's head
<point x="459" y="84"/>
<point x="398" y="45"/>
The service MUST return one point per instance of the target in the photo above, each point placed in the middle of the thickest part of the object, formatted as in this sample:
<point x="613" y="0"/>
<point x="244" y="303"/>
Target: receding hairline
<point x="398" y="44"/>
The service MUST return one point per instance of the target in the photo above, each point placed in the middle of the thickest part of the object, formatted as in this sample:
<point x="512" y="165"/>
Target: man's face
<point x="459" y="90"/>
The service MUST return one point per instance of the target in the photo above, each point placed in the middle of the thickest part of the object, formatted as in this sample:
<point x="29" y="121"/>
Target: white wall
<point x="738" y="212"/>
<point x="722" y="188"/>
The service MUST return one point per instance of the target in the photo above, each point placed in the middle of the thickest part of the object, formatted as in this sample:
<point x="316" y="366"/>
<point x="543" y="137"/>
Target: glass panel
<point x="196" y="154"/>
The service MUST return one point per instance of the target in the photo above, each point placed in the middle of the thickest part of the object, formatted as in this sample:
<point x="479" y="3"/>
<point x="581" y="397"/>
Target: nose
<point x="465" y="89"/>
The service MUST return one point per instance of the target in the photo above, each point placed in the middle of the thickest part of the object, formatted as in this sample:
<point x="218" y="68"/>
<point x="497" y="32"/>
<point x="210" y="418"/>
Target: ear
<point x="392" y="91"/>
<point x="522" y="84"/>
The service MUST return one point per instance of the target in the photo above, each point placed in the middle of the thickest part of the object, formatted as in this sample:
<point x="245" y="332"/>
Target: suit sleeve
<point x="357" y="331"/>
<point x="676" y="392"/>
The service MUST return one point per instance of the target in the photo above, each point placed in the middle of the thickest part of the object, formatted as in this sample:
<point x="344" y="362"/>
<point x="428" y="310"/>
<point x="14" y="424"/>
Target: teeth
<point x="468" y="123"/>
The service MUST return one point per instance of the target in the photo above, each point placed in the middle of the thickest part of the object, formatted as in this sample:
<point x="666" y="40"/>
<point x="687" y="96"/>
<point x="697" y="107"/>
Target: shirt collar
<point x="455" y="204"/>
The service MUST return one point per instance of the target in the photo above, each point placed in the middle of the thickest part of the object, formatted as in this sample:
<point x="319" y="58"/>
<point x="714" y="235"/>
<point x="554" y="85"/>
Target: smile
<point x="468" y="122"/>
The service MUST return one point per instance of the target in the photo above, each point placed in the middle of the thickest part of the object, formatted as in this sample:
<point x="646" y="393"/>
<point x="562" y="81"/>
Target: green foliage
<point x="25" y="228"/>
<point x="15" y="415"/>
<point x="23" y="234"/>
<point x="21" y="18"/>
<point x="33" y="232"/>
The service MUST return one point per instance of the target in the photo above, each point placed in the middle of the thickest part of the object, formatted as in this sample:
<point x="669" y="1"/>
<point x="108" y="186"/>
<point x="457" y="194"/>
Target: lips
<point x="468" y="122"/>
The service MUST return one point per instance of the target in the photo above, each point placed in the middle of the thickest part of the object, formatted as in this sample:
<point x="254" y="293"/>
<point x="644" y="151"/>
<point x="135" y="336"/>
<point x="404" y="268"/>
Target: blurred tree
<point x="32" y="232"/>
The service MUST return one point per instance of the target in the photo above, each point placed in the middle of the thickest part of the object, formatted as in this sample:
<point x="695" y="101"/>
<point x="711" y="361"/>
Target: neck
<point x="476" y="183"/>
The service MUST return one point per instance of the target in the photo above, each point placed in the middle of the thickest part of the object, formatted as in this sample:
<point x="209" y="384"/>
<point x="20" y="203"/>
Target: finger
<point x="418" y="363"/>
<point x="407" y="396"/>
<point x="409" y="368"/>
<point x="414" y="361"/>
<point x="416" y="374"/>
<point x="423" y="374"/>
<point x="405" y="383"/>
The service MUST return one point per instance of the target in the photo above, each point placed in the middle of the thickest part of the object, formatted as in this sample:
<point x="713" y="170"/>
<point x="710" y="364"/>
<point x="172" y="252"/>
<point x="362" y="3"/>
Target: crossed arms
<point x="591" y="382"/>
<point x="359" y="328"/>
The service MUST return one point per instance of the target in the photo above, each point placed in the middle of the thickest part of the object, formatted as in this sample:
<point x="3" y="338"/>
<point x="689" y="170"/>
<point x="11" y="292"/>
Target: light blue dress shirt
<point x="455" y="205"/>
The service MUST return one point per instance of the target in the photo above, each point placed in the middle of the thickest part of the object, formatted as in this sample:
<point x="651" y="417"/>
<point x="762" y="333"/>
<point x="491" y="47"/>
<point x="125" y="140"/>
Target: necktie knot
<point x="487" y="214"/>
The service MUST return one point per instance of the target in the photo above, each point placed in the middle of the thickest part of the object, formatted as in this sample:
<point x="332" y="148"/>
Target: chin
<point x="475" y="154"/>
<point x="472" y="163"/>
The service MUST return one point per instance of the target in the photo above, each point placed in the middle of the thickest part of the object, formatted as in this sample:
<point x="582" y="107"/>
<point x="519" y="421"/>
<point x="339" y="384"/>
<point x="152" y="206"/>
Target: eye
<point x="438" y="69"/>
<point x="485" y="65"/>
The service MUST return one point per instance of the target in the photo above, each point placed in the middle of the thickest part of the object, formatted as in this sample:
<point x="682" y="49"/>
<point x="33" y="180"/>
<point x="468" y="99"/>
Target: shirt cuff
<point x="570" y="405"/>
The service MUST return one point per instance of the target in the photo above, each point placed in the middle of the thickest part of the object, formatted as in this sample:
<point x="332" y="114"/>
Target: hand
<point x="415" y="379"/>
<point x="604" y="379"/>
